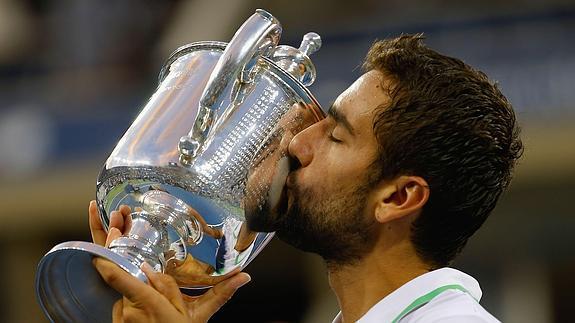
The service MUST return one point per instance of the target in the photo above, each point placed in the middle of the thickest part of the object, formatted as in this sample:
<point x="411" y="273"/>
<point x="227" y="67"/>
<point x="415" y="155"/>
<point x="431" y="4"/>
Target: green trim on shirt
<point x="426" y="299"/>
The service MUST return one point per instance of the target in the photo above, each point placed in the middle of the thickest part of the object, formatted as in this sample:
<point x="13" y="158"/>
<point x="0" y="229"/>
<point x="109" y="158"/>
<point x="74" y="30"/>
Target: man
<point x="388" y="188"/>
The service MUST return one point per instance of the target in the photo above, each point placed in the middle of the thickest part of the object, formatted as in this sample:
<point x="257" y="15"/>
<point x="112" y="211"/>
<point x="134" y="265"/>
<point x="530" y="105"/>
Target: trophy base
<point x="70" y="289"/>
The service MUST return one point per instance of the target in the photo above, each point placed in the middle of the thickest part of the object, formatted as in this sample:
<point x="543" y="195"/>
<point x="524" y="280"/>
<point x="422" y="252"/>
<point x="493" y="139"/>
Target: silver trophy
<point x="204" y="160"/>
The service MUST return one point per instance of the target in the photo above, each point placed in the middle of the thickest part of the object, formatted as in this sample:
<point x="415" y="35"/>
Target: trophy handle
<point x="257" y="36"/>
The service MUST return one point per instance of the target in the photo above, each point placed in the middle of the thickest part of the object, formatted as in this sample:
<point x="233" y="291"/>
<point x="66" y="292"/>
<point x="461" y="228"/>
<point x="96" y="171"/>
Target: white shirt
<point x="231" y="257"/>
<point x="437" y="296"/>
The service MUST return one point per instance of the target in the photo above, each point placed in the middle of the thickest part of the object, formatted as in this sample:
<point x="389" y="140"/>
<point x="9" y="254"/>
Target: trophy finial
<point x="296" y="61"/>
<point x="261" y="29"/>
<point x="310" y="44"/>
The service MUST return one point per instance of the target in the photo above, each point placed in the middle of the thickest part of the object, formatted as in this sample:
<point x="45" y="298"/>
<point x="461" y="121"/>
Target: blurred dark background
<point x="74" y="74"/>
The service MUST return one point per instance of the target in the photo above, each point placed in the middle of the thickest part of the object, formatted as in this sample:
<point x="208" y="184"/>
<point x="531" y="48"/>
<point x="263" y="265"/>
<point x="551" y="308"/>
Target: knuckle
<point x="107" y="275"/>
<point x="110" y="278"/>
<point x="214" y="280"/>
<point x="167" y="281"/>
<point x="132" y="314"/>
<point x="224" y="294"/>
<point x="129" y="316"/>
<point x="124" y="209"/>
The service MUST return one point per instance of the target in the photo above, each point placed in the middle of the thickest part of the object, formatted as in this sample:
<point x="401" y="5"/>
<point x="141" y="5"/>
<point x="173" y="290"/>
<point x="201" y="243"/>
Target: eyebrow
<point x="341" y="119"/>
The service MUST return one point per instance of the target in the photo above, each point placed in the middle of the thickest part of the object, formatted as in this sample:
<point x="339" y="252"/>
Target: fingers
<point x="112" y="235"/>
<point x="209" y="303"/>
<point x="132" y="288"/>
<point x="117" y="311"/>
<point x="116" y="220"/>
<point x="126" y="215"/>
<point x="165" y="285"/>
<point x="96" y="228"/>
<point x="121" y="219"/>
<point x="157" y="302"/>
<point x="143" y="301"/>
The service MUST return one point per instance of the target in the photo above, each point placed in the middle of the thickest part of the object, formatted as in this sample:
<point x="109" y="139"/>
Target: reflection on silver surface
<point x="255" y="38"/>
<point x="193" y="218"/>
<point x="297" y="61"/>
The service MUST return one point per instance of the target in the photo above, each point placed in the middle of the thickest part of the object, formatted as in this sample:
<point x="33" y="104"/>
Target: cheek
<point x="326" y="176"/>
<point x="336" y="167"/>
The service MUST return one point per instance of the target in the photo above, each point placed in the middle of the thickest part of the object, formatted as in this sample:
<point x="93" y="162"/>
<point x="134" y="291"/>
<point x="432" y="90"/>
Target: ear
<point x="400" y="197"/>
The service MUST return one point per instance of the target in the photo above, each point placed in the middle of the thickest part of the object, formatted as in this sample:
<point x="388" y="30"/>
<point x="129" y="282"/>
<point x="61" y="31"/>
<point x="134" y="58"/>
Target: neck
<point x="359" y="286"/>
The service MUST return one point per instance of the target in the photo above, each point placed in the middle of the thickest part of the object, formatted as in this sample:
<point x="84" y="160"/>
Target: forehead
<point x="359" y="101"/>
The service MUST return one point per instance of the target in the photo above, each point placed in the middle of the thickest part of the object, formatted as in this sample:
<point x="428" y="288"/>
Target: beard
<point x="331" y="224"/>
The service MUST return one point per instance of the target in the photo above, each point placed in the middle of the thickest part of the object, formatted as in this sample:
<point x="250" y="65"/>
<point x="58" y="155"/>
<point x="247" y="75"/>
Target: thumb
<point x="209" y="303"/>
<point x="132" y="288"/>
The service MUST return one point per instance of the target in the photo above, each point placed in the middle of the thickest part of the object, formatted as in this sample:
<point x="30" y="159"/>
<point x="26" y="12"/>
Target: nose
<point x="301" y="147"/>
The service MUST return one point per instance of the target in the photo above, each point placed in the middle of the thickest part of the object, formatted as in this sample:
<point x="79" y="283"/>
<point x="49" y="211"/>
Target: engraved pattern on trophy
<point x="201" y="166"/>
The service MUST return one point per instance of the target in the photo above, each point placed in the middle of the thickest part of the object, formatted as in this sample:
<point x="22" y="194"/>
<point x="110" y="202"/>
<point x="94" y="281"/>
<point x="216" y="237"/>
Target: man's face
<point x="328" y="204"/>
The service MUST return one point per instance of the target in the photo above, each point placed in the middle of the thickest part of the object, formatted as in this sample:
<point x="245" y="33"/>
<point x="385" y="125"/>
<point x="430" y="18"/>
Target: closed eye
<point x="334" y="139"/>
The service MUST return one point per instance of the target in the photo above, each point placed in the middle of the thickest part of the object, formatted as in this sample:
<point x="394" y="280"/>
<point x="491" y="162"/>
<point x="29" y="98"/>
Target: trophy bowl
<point x="202" y="165"/>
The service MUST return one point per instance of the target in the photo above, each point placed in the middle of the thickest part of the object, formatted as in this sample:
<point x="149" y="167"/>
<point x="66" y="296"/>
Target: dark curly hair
<point x="450" y="125"/>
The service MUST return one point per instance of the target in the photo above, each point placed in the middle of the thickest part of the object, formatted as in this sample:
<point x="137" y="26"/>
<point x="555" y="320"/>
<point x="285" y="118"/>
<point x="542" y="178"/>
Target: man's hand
<point x="122" y="220"/>
<point x="161" y="301"/>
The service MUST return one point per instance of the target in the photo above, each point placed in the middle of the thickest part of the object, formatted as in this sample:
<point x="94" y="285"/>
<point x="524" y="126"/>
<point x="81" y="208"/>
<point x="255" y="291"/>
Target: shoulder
<point x="451" y="306"/>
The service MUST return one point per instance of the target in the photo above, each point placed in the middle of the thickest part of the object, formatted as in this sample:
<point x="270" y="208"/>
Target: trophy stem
<point x="160" y="232"/>
<point x="147" y="241"/>
<point x="70" y="289"/>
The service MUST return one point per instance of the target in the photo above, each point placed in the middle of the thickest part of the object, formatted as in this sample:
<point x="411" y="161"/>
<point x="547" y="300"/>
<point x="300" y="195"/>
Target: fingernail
<point x="146" y="267"/>
<point x="240" y="283"/>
